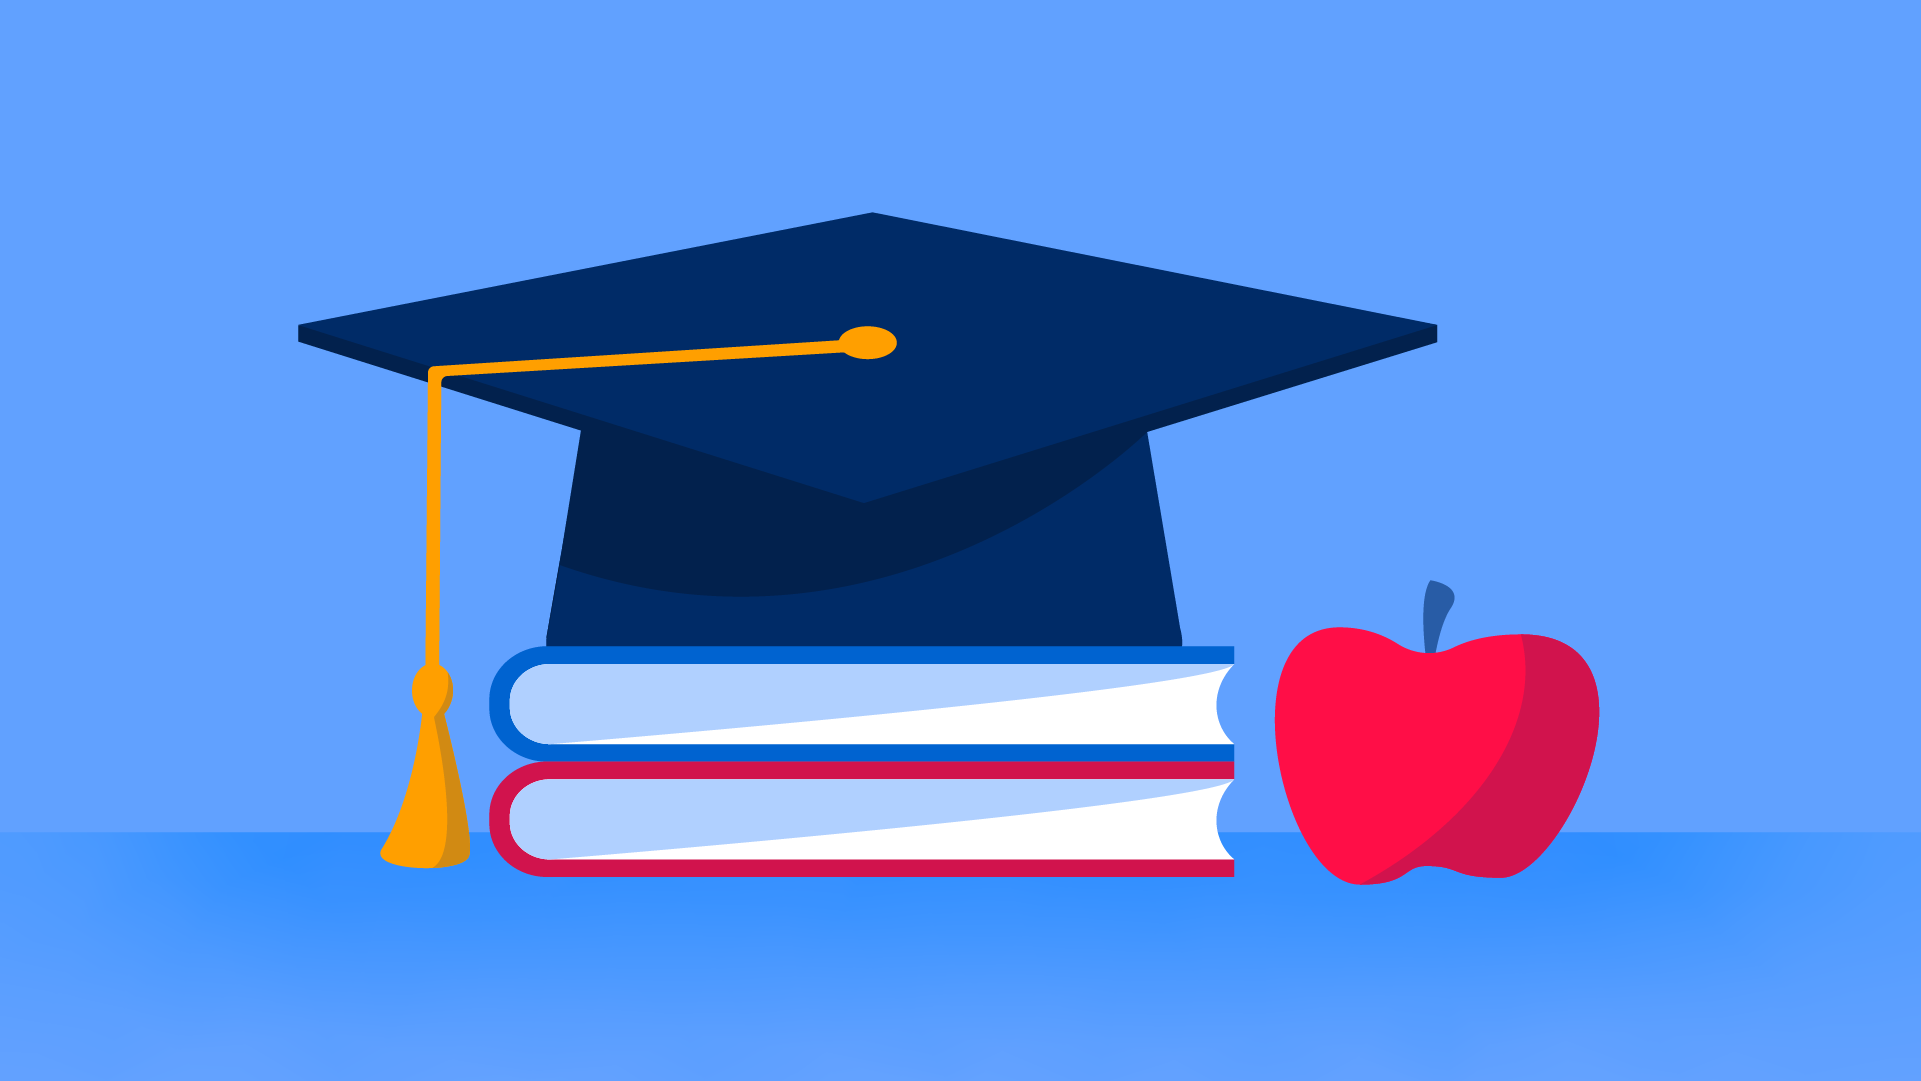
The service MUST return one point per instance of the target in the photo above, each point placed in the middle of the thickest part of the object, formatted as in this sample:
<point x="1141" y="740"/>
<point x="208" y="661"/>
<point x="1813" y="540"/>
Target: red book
<point x="863" y="818"/>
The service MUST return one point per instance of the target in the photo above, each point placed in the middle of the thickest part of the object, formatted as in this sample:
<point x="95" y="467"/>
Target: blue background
<point x="1670" y="421"/>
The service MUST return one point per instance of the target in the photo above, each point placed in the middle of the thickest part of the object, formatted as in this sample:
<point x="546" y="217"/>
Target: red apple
<point x="1469" y="759"/>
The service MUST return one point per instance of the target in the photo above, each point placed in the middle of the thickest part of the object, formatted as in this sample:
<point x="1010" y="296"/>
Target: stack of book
<point x="883" y="760"/>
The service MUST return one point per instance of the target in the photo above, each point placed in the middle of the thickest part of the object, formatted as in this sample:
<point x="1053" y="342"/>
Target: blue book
<point x="863" y="704"/>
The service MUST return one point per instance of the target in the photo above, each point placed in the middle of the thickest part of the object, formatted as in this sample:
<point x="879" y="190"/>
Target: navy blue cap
<point x="1022" y="372"/>
<point x="1004" y="348"/>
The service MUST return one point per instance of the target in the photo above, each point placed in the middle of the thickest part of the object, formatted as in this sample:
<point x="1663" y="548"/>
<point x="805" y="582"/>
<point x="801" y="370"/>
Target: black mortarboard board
<point x="986" y="483"/>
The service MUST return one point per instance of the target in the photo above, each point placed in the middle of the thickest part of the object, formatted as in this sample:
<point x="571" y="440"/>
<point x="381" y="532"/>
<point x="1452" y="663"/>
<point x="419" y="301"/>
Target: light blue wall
<point x="1670" y="420"/>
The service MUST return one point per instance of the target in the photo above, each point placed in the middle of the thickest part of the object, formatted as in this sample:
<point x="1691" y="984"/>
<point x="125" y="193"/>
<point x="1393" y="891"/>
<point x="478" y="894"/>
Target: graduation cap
<point x="869" y="431"/>
<point x="984" y="483"/>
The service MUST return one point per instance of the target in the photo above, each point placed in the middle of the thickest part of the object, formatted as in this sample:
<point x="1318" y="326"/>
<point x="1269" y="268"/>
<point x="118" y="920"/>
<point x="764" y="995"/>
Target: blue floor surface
<point x="1616" y="956"/>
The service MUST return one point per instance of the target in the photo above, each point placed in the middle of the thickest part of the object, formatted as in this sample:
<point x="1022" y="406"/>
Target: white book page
<point x="1177" y="827"/>
<point x="1170" y="711"/>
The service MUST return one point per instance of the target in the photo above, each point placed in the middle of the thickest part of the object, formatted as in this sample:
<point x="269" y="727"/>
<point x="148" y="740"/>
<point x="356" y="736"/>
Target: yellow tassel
<point x="431" y="829"/>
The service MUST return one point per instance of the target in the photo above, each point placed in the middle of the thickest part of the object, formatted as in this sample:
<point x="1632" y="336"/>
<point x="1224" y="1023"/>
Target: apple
<point x="1470" y="758"/>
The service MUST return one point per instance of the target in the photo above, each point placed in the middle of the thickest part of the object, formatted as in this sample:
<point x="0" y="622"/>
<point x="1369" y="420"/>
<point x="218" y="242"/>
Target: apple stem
<point x="1434" y="611"/>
